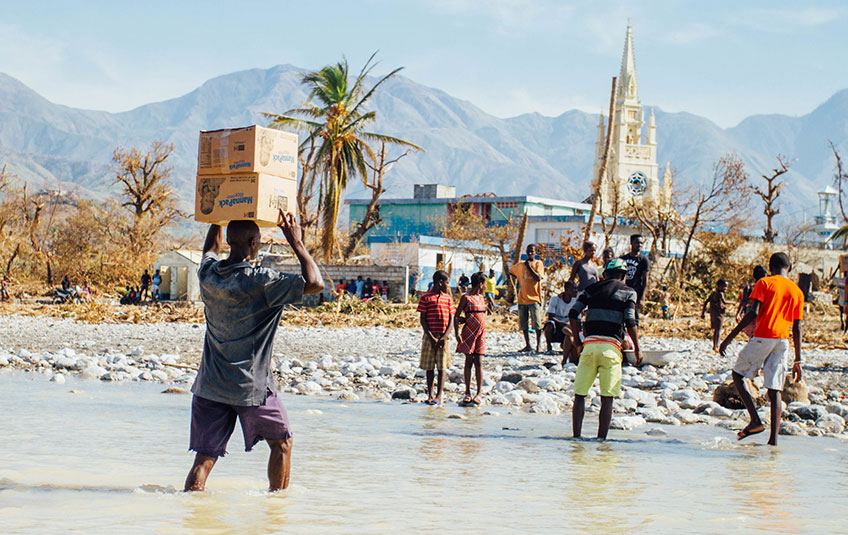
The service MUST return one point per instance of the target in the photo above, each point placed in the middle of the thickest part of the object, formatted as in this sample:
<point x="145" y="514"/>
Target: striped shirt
<point x="610" y="307"/>
<point x="437" y="309"/>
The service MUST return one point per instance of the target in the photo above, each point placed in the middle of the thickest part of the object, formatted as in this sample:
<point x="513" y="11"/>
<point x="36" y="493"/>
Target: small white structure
<point x="179" y="275"/>
<point x="426" y="254"/>
<point x="826" y="220"/>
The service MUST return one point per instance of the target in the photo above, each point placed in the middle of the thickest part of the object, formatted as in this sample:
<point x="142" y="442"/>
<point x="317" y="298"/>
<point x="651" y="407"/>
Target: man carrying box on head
<point x="243" y="309"/>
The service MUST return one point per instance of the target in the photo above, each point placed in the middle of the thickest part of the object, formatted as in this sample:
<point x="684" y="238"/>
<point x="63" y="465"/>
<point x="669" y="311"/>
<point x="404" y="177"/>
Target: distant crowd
<point x="363" y="289"/>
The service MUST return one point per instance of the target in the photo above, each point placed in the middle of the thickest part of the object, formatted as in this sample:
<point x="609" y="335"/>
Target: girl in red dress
<point x="471" y="312"/>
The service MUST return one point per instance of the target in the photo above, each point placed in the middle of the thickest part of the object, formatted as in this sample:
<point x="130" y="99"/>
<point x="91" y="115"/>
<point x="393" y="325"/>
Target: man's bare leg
<point x="196" y="479"/>
<point x="755" y="425"/>
<point x="279" y="464"/>
<point x="478" y="375"/>
<point x="538" y="340"/>
<point x="577" y="413"/>
<point x="439" y="386"/>
<point x="431" y="374"/>
<point x="549" y="335"/>
<point x="775" y="402"/>
<point x="604" y="417"/>
<point x="527" y="347"/>
<point x="716" y="338"/>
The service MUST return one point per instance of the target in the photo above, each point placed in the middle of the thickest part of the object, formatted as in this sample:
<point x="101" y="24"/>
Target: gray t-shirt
<point x="587" y="274"/>
<point x="243" y="308"/>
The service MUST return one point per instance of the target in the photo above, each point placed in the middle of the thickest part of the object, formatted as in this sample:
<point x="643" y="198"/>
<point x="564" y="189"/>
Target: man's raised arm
<point x="308" y="268"/>
<point x="214" y="239"/>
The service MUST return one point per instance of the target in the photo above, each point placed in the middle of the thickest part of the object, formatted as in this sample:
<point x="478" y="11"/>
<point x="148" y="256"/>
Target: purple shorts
<point x="213" y="422"/>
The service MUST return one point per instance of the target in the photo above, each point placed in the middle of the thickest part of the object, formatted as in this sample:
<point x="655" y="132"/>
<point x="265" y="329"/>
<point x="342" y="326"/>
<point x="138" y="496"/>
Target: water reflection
<point x="597" y="475"/>
<point x="763" y="486"/>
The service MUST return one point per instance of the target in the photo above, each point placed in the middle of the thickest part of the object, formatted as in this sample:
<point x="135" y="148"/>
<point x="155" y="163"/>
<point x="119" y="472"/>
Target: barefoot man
<point x="243" y="308"/>
<point x="777" y="306"/>
<point x="528" y="275"/>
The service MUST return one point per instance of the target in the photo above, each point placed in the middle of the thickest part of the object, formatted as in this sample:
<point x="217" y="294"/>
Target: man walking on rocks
<point x="243" y="309"/>
<point x="610" y="309"/>
<point x="777" y="306"/>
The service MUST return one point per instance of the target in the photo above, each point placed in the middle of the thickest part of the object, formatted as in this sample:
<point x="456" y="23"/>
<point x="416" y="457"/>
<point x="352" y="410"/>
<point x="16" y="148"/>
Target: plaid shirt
<point x="437" y="309"/>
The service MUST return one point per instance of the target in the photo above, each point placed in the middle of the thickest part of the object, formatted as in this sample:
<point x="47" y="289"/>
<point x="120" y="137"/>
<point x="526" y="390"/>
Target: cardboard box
<point x="254" y="196"/>
<point x="252" y="149"/>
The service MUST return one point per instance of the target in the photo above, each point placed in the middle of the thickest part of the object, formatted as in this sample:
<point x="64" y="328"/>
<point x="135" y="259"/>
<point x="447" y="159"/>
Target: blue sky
<point x="724" y="60"/>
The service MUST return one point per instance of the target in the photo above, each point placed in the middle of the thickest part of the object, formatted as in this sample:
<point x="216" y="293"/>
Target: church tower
<point x="632" y="166"/>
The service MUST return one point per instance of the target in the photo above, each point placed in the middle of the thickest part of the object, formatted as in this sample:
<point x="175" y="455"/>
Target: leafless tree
<point x="839" y="179"/>
<point x="770" y="193"/>
<point x="146" y="192"/>
<point x="720" y="201"/>
<point x="379" y="167"/>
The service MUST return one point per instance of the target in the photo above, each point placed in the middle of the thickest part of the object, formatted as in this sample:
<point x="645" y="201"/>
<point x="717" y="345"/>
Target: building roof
<point x="436" y="241"/>
<point x="453" y="200"/>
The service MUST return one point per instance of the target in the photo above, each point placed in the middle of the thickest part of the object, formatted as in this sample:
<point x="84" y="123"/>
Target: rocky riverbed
<point x="381" y="364"/>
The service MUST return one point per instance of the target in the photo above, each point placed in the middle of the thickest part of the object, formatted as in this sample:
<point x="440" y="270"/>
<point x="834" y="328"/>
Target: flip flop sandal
<point x="745" y="433"/>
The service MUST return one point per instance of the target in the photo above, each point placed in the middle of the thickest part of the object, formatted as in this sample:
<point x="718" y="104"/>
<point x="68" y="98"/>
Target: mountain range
<point x="530" y="154"/>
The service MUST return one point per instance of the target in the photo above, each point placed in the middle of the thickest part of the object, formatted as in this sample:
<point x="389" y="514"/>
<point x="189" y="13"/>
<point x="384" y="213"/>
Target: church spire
<point x="627" y="77"/>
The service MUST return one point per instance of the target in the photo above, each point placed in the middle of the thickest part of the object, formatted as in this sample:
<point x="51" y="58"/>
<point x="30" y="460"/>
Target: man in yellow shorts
<point x="610" y="307"/>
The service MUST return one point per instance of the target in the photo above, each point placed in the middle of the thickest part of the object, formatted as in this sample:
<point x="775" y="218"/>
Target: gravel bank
<point x="378" y="363"/>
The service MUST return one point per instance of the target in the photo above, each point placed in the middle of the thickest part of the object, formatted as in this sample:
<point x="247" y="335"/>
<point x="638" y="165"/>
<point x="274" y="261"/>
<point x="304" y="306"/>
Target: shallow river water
<point x="108" y="458"/>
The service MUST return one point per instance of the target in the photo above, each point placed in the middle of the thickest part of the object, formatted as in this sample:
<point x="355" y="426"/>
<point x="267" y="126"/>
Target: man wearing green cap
<point x="610" y="307"/>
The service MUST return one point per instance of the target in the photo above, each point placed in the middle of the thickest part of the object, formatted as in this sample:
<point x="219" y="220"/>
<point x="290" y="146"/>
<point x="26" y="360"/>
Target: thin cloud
<point x="690" y="33"/>
<point x="777" y="20"/>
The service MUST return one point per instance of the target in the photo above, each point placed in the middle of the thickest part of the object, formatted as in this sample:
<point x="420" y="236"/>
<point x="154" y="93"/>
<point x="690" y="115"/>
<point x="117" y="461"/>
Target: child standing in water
<point x="437" y="312"/>
<point x="471" y="312"/>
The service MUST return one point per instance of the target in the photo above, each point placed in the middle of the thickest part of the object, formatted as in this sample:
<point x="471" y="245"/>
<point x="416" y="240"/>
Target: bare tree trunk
<point x="516" y="257"/>
<point x="696" y="220"/>
<point x="599" y="179"/>
<point x="12" y="258"/>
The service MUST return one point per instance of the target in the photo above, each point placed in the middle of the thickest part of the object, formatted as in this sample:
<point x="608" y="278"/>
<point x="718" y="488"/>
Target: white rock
<point x="515" y="397"/>
<point x="309" y="387"/>
<point x="837" y="408"/>
<point x="721" y="412"/>
<point x="545" y="405"/>
<point x="624" y="404"/>
<point x="93" y="372"/>
<point x="58" y="378"/>
<point x="645" y="399"/>
<point x="387" y="384"/>
<point x="498" y="399"/>
<point x="160" y="375"/>
<point x="831" y="423"/>
<point x="627" y="422"/>
<point x="502" y="387"/>
<point x="348" y="395"/>
<point x="652" y="414"/>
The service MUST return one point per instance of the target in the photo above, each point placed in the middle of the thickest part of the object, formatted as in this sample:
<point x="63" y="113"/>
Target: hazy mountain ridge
<point x="465" y="146"/>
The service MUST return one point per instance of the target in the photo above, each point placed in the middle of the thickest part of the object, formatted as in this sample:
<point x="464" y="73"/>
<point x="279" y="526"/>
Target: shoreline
<point x="381" y="364"/>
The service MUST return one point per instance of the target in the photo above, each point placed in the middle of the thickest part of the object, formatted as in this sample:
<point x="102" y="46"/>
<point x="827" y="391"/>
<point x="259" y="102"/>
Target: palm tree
<point x="333" y="115"/>
<point x="840" y="233"/>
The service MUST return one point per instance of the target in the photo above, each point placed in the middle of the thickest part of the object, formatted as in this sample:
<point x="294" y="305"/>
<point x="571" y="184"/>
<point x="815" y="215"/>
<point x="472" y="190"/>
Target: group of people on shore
<point x="148" y="290"/>
<point x="244" y="304"/>
<point x="363" y="289"/>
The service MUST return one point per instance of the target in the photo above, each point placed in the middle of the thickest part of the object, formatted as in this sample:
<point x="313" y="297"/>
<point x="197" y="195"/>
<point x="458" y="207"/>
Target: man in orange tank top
<point x="777" y="306"/>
